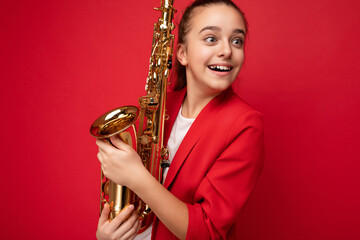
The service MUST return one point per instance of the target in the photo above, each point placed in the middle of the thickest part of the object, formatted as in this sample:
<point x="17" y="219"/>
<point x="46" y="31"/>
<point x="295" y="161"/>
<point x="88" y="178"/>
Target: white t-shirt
<point x="178" y="132"/>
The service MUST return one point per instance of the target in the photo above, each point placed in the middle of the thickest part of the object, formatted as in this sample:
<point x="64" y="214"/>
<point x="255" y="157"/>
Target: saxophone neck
<point x="167" y="15"/>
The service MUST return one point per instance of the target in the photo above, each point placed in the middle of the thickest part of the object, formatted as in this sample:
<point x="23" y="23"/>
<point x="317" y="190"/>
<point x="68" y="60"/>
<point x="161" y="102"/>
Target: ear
<point x="181" y="54"/>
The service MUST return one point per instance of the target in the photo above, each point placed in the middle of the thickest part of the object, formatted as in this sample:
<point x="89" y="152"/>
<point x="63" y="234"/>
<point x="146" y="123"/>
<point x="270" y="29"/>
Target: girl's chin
<point x="221" y="85"/>
<point x="218" y="88"/>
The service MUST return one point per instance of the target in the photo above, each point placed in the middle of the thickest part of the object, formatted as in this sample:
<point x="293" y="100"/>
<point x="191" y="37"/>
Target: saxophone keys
<point x="145" y="139"/>
<point x="105" y="187"/>
<point x="164" y="154"/>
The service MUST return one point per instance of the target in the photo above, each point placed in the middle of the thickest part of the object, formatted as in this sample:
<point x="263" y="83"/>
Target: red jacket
<point x="216" y="166"/>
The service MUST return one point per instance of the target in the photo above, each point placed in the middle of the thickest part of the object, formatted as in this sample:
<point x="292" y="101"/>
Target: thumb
<point x="104" y="217"/>
<point x="118" y="143"/>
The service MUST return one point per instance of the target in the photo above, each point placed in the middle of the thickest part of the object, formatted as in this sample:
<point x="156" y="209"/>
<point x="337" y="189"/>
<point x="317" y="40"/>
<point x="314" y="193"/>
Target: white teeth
<point x="221" y="68"/>
<point x="224" y="68"/>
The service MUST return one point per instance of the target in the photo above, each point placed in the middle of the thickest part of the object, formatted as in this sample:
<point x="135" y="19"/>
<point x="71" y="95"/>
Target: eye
<point x="210" y="39"/>
<point x="238" y="42"/>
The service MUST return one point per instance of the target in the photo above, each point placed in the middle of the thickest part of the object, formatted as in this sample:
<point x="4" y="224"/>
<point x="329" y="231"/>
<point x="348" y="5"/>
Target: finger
<point x="132" y="232"/>
<point x="137" y="229"/>
<point x="101" y="155"/>
<point x="128" y="228"/>
<point x="100" y="158"/>
<point x="104" y="146"/>
<point x="121" y="217"/>
<point x="118" y="143"/>
<point x="104" y="217"/>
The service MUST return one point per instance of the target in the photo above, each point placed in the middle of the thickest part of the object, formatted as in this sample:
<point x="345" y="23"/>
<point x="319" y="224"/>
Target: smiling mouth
<point x="220" y="68"/>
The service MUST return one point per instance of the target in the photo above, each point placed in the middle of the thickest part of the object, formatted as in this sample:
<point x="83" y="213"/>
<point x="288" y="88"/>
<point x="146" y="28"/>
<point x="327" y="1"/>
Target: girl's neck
<point x="194" y="102"/>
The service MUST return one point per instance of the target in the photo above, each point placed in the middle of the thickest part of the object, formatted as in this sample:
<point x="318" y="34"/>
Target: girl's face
<point x="213" y="52"/>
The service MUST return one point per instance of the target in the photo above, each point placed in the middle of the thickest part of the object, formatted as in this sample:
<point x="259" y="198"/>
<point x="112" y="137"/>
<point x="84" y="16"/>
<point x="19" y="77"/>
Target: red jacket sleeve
<point x="229" y="182"/>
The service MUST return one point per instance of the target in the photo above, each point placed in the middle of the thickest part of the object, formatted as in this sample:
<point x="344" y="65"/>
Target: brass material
<point x="148" y="139"/>
<point x="120" y="122"/>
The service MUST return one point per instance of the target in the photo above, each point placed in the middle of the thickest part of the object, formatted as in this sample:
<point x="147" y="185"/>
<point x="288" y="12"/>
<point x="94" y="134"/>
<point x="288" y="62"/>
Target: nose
<point x="225" y="49"/>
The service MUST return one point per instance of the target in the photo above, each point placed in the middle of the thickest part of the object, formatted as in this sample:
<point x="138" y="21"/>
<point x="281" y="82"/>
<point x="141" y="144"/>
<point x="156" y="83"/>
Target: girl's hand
<point x="121" y="164"/>
<point x="119" y="228"/>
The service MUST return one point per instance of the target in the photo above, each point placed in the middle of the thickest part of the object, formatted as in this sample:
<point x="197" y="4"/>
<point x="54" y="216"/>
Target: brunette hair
<point x="184" y="27"/>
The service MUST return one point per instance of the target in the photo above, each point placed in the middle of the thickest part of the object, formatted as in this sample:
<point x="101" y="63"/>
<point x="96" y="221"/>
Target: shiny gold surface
<point x="114" y="121"/>
<point x="148" y="140"/>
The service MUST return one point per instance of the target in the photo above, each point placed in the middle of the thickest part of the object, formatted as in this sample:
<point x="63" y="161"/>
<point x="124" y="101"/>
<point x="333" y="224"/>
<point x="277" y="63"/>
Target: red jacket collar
<point x="204" y="121"/>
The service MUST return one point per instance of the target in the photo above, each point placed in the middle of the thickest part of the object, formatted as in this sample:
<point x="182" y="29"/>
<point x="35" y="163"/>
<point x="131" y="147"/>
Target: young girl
<point x="215" y="140"/>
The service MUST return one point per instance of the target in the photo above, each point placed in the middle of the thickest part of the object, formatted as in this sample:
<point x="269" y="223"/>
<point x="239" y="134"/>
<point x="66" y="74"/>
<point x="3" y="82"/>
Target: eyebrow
<point x="215" y="28"/>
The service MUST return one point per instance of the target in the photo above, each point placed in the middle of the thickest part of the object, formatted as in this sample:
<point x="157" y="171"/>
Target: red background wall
<point x="63" y="63"/>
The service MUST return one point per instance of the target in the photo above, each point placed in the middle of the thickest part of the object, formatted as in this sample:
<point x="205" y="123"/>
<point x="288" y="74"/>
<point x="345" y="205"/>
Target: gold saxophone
<point x="148" y="139"/>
